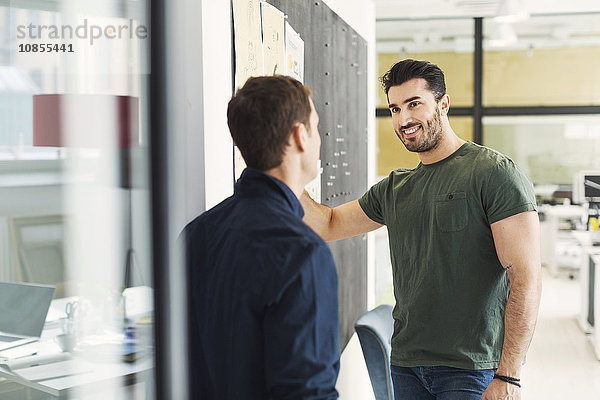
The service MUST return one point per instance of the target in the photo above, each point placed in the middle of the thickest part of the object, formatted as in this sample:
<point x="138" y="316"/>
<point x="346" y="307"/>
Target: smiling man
<point x="465" y="251"/>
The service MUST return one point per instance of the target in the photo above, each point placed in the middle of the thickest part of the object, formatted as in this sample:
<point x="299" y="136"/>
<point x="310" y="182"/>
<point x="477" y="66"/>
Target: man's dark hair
<point x="262" y="114"/>
<point x="408" y="69"/>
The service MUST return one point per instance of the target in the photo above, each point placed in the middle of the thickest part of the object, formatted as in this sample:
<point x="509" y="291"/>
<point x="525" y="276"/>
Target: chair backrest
<point x="37" y="246"/>
<point x="374" y="329"/>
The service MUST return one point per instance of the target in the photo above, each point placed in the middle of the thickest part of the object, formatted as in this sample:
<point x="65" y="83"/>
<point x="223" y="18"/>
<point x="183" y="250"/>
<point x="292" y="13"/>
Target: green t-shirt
<point x="450" y="287"/>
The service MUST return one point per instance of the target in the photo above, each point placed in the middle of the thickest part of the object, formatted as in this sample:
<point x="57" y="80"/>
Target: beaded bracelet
<point x="508" y="379"/>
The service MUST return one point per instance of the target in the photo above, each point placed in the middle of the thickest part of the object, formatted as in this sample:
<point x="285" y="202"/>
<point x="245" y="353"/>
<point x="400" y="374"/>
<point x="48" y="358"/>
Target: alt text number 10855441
<point x="45" y="48"/>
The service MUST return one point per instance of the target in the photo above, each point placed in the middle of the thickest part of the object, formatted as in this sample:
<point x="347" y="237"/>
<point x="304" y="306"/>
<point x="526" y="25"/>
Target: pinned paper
<point x="248" y="40"/>
<point x="273" y="27"/>
<point x="294" y="53"/>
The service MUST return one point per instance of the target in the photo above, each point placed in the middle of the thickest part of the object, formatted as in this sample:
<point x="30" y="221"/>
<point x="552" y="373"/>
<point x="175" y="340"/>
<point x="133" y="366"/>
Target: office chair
<point x="374" y="329"/>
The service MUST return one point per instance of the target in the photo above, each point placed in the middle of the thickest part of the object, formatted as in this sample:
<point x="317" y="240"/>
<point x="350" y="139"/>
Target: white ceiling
<point x="442" y="25"/>
<point x="475" y="8"/>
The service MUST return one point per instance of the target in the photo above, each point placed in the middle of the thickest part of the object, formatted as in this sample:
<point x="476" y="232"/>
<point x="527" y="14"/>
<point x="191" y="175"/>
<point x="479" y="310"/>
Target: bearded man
<point x="465" y="250"/>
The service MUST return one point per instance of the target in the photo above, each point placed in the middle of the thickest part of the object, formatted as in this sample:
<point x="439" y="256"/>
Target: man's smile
<point x="412" y="131"/>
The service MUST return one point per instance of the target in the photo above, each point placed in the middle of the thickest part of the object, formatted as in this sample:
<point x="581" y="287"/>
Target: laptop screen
<point x="23" y="308"/>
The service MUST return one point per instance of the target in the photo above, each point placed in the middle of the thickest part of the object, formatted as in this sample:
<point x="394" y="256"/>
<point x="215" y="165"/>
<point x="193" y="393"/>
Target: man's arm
<point x="336" y="223"/>
<point x="517" y="240"/>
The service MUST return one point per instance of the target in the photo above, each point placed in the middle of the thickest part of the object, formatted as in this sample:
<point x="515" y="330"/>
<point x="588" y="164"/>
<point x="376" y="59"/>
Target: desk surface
<point x="586" y="239"/>
<point x="97" y="374"/>
<point x="565" y="211"/>
<point x="91" y="364"/>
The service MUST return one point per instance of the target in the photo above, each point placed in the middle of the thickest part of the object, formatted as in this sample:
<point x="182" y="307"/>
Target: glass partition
<point x="550" y="149"/>
<point x="543" y="61"/>
<point x="448" y="44"/>
<point x="74" y="208"/>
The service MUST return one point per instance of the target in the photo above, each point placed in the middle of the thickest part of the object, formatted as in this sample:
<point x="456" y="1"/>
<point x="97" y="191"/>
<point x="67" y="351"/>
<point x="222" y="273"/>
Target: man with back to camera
<point x="264" y="307"/>
<point x="462" y="229"/>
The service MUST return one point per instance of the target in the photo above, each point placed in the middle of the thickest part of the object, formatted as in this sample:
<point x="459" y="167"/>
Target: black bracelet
<point x="508" y="379"/>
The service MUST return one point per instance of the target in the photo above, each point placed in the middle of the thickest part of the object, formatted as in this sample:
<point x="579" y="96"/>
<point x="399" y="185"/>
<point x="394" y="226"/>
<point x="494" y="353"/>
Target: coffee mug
<point x="66" y="341"/>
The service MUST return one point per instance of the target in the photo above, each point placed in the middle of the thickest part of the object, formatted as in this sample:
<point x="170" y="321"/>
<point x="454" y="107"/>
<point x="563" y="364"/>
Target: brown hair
<point x="262" y="114"/>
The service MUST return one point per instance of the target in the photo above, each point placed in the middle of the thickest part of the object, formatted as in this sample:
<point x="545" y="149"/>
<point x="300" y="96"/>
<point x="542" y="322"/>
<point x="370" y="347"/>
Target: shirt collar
<point x="462" y="150"/>
<point x="253" y="182"/>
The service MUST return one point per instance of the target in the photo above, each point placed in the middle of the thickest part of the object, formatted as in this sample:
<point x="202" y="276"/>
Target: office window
<point x="550" y="149"/>
<point x="447" y="43"/>
<point x="546" y="60"/>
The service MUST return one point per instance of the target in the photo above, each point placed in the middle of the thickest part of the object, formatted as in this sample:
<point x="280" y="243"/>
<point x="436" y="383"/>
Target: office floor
<point x="561" y="363"/>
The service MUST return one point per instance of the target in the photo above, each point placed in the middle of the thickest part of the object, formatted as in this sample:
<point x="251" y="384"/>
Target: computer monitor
<point x="586" y="187"/>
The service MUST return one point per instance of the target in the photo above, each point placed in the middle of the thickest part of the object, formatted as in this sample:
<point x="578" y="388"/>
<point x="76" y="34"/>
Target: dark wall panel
<point x="335" y="68"/>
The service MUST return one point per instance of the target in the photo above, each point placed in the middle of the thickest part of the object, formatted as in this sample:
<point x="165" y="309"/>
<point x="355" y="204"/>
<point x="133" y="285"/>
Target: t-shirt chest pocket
<point x="451" y="211"/>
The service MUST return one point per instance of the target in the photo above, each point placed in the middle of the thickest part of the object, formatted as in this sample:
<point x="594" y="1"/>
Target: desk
<point x="551" y="233"/>
<point x="589" y="315"/>
<point x="94" y="375"/>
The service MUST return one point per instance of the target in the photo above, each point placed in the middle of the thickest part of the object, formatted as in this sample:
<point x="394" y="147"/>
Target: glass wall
<point x="550" y="149"/>
<point x="74" y="207"/>
<point x="549" y="60"/>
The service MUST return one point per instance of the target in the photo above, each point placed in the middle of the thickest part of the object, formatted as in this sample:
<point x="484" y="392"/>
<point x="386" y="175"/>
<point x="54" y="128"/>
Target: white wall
<point x="359" y="14"/>
<point x="353" y="381"/>
<point x="217" y="88"/>
<point x="203" y="149"/>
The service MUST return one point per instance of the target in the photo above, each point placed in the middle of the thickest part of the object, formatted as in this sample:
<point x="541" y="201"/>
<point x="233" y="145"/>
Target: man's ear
<point x="299" y="136"/>
<point x="444" y="104"/>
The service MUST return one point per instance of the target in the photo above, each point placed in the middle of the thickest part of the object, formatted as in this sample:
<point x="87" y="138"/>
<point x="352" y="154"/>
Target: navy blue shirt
<point x="264" y="306"/>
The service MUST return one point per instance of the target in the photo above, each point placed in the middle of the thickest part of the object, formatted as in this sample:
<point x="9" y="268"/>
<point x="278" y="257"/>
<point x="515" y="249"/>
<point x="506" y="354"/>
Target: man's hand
<point x="498" y="390"/>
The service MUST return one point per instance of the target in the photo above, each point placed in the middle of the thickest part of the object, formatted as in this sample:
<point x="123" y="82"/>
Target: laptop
<point x="23" y="309"/>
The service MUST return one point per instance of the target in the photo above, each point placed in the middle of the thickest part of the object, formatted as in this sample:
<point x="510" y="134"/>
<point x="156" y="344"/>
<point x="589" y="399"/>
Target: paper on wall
<point x="273" y="28"/>
<point x="247" y="40"/>
<point x="294" y="53"/>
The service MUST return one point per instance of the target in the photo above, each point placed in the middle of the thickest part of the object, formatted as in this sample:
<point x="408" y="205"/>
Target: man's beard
<point x="430" y="136"/>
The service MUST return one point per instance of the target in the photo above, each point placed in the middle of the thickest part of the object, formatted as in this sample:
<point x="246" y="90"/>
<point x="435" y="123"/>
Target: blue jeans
<point x="441" y="383"/>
